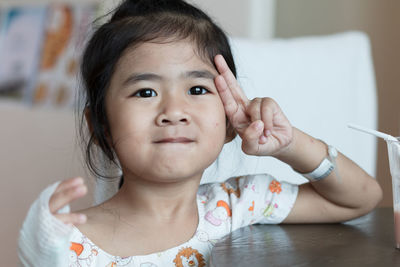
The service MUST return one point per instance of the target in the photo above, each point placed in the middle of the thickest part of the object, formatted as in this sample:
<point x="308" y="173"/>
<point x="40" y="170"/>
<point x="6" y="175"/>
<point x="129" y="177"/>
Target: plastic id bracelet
<point x="325" y="168"/>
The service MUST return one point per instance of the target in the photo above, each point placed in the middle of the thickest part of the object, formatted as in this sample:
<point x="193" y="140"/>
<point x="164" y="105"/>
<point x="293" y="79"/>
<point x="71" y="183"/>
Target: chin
<point x="175" y="174"/>
<point x="172" y="166"/>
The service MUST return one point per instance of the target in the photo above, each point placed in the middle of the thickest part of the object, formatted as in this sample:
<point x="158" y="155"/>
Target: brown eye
<point x="145" y="93"/>
<point x="198" y="90"/>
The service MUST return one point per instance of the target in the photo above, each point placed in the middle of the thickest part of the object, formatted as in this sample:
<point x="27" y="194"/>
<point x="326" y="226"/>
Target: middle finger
<point x="254" y="109"/>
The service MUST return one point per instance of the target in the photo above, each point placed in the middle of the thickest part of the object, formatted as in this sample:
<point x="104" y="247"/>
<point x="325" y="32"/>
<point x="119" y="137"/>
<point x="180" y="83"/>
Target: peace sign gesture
<point x="260" y="122"/>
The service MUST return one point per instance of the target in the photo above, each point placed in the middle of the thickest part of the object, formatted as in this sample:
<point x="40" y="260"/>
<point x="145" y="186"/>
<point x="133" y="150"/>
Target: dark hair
<point x="132" y="23"/>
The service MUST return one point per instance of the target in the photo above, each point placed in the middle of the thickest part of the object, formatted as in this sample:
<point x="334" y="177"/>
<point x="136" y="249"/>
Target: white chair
<point x="321" y="83"/>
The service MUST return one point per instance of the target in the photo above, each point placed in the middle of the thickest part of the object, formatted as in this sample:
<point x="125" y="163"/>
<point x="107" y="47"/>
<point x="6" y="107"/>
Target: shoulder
<point x="249" y="199"/>
<point x="235" y="185"/>
<point x="98" y="219"/>
<point x="237" y="190"/>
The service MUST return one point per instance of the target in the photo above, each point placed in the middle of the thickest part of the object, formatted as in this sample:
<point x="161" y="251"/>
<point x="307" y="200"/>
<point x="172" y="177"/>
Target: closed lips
<point x="174" y="140"/>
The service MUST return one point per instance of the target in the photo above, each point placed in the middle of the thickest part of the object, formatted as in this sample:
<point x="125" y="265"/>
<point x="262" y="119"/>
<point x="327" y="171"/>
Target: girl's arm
<point x="331" y="199"/>
<point x="265" y="131"/>
<point x="44" y="236"/>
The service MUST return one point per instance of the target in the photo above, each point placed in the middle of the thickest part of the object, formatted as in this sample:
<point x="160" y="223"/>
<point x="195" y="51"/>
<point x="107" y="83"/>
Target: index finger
<point x="230" y="79"/>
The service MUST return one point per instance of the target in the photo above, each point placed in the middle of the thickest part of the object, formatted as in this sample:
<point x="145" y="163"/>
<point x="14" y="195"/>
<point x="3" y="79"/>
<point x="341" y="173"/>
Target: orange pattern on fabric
<point x="78" y="248"/>
<point x="275" y="187"/>
<point x="231" y="190"/>
<point x="222" y="203"/>
<point x="252" y="206"/>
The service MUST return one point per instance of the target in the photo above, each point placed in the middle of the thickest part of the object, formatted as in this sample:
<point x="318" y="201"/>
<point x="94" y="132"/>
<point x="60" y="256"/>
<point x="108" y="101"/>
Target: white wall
<point x="250" y="18"/>
<point x="37" y="148"/>
<point x="381" y="21"/>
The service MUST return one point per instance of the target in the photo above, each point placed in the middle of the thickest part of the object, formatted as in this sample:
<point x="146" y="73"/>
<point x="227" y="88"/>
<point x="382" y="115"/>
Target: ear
<point x="230" y="132"/>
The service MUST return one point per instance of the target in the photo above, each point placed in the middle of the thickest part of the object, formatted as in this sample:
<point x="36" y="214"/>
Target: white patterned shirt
<point x="222" y="207"/>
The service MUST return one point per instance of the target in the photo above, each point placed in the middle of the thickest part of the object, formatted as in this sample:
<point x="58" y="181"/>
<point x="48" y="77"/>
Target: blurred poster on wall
<point x="21" y="34"/>
<point x="67" y="29"/>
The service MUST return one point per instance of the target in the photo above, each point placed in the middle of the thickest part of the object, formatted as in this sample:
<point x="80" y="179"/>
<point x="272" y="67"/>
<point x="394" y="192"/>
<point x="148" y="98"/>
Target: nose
<point x="173" y="112"/>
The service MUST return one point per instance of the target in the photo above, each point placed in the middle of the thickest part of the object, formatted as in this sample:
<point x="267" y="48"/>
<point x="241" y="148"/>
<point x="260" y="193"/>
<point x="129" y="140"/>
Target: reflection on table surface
<point x="366" y="241"/>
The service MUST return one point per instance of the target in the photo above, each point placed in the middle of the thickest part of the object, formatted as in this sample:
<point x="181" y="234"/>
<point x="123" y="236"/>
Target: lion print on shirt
<point x="189" y="257"/>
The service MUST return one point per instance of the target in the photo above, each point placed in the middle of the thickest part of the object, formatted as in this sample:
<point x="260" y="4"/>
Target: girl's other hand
<point x="260" y="122"/>
<point x="66" y="192"/>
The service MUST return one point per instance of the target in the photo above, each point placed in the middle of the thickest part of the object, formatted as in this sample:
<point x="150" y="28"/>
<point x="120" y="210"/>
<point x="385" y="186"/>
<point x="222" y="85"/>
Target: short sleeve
<point x="259" y="199"/>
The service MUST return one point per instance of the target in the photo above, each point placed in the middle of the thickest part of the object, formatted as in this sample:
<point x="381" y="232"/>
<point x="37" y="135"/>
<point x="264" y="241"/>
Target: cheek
<point x="220" y="120"/>
<point x="128" y="131"/>
<point x="216" y="126"/>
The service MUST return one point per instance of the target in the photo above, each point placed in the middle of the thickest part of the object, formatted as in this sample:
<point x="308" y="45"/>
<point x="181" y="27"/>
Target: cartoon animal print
<point x="189" y="257"/>
<point x="203" y="199"/>
<point x="118" y="261"/>
<point x="220" y="214"/>
<point x="82" y="254"/>
<point x="232" y="189"/>
<point x="74" y="252"/>
<point x="202" y="236"/>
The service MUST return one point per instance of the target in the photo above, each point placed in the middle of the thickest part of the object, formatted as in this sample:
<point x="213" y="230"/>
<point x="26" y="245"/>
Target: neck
<point x="161" y="201"/>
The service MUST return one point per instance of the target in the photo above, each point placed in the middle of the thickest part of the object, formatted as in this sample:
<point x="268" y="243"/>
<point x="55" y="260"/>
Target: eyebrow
<point x="199" y="74"/>
<point x="136" y="77"/>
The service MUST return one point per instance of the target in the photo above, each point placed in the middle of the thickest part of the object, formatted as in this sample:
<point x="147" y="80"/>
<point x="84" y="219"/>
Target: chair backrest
<point x="321" y="83"/>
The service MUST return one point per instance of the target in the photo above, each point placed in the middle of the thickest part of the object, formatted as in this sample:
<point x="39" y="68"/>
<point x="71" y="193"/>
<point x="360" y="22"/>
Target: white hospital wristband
<point x="325" y="168"/>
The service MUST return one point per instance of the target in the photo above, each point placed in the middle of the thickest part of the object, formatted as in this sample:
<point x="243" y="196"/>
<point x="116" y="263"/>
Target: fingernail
<point x="80" y="189"/>
<point x="82" y="218"/>
<point x="263" y="139"/>
<point x="258" y="125"/>
<point x="77" y="180"/>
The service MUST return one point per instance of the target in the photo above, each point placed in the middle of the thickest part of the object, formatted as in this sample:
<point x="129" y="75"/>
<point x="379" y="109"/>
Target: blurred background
<point x="40" y="46"/>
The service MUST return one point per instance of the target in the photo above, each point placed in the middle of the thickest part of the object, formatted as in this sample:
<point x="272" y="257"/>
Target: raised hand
<point x="66" y="192"/>
<point x="260" y="122"/>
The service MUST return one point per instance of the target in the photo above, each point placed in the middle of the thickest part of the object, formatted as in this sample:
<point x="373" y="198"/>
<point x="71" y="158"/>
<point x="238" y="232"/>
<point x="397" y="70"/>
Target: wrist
<point x="304" y="153"/>
<point x="325" y="168"/>
<point x="290" y="150"/>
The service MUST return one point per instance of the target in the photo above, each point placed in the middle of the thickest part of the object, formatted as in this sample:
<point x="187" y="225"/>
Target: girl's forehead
<point x="164" y="52"/>
<point x="167" y="61"/>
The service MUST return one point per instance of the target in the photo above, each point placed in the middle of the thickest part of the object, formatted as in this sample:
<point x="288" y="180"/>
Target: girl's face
<point x="166" y="118"/>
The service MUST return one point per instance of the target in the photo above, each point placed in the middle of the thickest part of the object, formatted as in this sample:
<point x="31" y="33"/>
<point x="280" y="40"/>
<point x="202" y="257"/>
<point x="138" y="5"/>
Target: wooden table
<point x="366" y="241"/>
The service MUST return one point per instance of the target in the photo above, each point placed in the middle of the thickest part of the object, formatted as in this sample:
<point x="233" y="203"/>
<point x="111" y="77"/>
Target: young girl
<point x="161" y="101"/>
